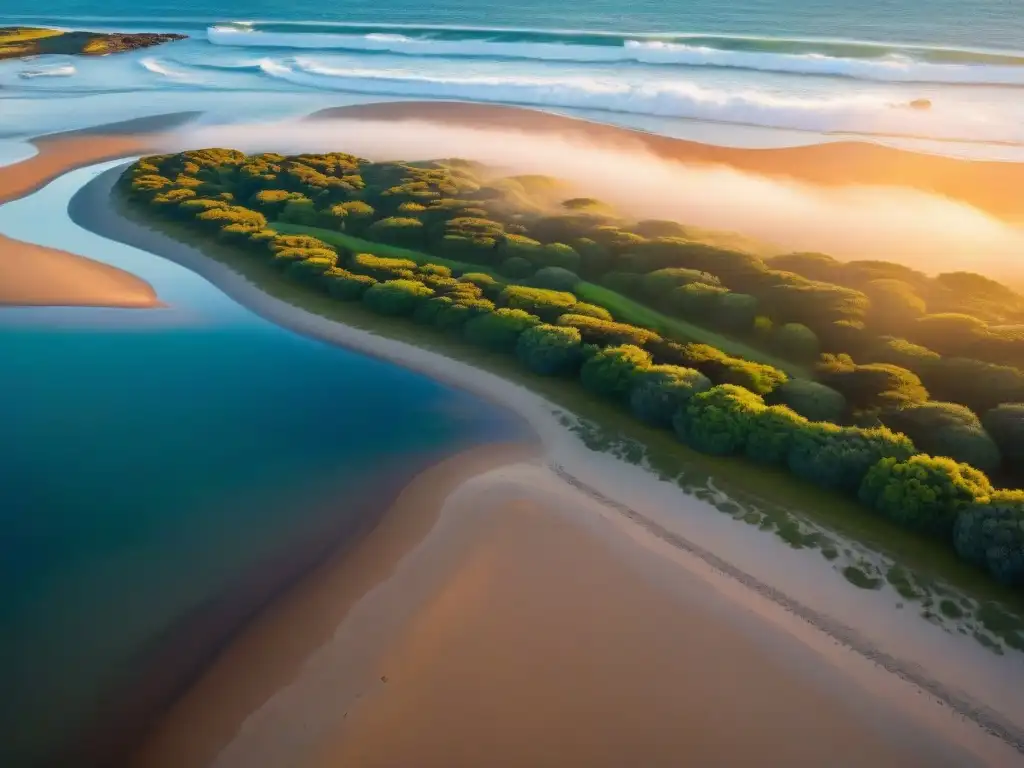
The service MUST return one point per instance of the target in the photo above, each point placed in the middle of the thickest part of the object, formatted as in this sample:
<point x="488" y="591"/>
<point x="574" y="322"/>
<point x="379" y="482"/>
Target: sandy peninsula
<point x="530" y="621"/>
<point x="499" y="615"/>
<point x="31" y="275"/>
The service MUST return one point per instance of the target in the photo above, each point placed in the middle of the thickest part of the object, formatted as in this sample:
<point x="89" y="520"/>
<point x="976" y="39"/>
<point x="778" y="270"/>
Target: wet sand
<point x="521" y="628"/>
<point x="31" y="275"/>
<point x="983" y="184"/>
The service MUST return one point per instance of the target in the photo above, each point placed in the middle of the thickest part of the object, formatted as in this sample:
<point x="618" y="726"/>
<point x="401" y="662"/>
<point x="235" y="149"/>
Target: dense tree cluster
<point x="917" y="401"/>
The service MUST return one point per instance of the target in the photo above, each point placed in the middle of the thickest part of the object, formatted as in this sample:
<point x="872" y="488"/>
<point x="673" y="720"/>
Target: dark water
<point x="161" y="471"/>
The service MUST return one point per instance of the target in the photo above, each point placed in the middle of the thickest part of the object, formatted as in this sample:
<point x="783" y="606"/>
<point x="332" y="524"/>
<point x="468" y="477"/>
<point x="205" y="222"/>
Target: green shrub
<point x="948" y="333"/>
<point x="353" y="216"/>
<point x="285" y="257"/>
<point x="661" y="390"/>
<point x="345" y="285"/>
<point x="626" y="283"/>
<point x="436" y="270"/>
<point x="311" y="270"/>
<point x="516" y="267"/>
<point x="550" y="349"/>
<point x="736" y="312"/>
<point x="660" y="283"/>
<point x="945" y="429"/>
<point x="838" y="458"/>
<point x="305" y="242"/>
<point x="796" y="341"/>
<point x="894" y="304"/>
<point x="396" y="297"/>
<point x="905" y="354"/>
<point x="397" y="231"/>
<point x="718" y="421"/>
<point x="591" y="310"/>
<point x="547" y="305"/>
<point x="872" y="385"/>
<point x="772" y="434"/>
<point x="978" y="385"/>
<point x="380" y="267"/>
<point x="556" y="279"/>
<point x="1005" y="423"/>
<point x="596" y="331"/>
<point x="991" y="536"/>
<point x="697" y="300"/>
<point x="723" y="369"/>
<point x="609" y="372"/>
<point x="923" y="493"/>
<point x="479" y="279"/>
<point x="558" y="255"/>
<point x="300" y="211"/>
<point x="499" y="330"/>
<point x="812" y="400"/>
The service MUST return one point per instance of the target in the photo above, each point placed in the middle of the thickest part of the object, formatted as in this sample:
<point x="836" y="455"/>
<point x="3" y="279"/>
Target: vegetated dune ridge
<point x="755" y="212"/>
<point x="983" y="184"/>
<point x="91" y="208"/>
<point x="38" y="276"/>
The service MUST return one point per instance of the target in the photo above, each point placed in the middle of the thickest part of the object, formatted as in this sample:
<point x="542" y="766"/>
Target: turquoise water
<point x="155" y="460"/>
<point x="749" y="73"/>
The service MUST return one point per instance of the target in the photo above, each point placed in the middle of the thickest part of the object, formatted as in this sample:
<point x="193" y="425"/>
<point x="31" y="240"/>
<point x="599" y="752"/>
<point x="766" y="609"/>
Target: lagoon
<point x="164" y="471"/>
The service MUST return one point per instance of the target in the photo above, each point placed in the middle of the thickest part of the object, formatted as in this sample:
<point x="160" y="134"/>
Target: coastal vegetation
<point x="17" y="42"/>
<point x="837" y="373"/>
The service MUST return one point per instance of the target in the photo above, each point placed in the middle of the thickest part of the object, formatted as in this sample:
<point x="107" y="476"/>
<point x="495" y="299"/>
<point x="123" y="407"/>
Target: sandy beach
<point x="31" y="275"/>
<point x="515" y="629"/>
<point x="819" y="660"/>
<point x="982" y="184"/>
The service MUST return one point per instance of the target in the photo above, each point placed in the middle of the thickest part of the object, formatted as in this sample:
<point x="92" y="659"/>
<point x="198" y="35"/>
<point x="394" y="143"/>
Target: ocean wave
<point x="162" y="68"/>
<point x="65" y="70"/>
<point x="859" y="61"/>
<point x="869" y="114"/>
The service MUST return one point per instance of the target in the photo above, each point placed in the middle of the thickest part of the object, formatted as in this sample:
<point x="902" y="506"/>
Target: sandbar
<point x="986" y="185"/>
<point x="32" y="275"/>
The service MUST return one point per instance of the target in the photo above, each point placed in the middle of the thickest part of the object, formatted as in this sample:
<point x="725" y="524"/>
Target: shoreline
<point x="978" y="183"/>
<point x="262" y="657"/>
<point x="35" y="276"/>
<point x="563" y="453"/>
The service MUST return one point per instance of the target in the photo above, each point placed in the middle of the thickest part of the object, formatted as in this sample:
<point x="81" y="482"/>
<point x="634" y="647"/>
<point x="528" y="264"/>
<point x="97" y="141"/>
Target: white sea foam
<point x="861" y="113"/>
<point x="892" y="67"/>
<point x="65" y="70"/>
<point x="162" y="68"/>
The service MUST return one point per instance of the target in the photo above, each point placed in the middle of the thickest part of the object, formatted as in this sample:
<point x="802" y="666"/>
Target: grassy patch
<point x="622" y="307"/>
<point x="631" y="311"/>
<point x="858" y="578"/>
<point x="26" y="34"/>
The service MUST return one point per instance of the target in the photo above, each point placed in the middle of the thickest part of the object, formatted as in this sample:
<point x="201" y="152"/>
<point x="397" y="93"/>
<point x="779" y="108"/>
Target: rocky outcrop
<point x="19" y="42"/>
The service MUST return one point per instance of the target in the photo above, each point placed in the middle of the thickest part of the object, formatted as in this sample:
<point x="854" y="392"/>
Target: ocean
<point x="747" y="73"/>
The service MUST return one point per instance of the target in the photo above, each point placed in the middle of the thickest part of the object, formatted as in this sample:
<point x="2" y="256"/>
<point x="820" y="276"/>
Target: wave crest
<point x="877" y="63"/>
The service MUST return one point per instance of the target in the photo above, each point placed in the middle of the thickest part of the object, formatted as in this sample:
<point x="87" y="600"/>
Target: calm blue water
<point x="153" y="460"/>
<point x="750" y="72"/>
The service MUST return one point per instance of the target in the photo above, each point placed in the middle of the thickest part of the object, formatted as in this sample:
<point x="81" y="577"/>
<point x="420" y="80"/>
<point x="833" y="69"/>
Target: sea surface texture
<point x="942" y="75"/>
